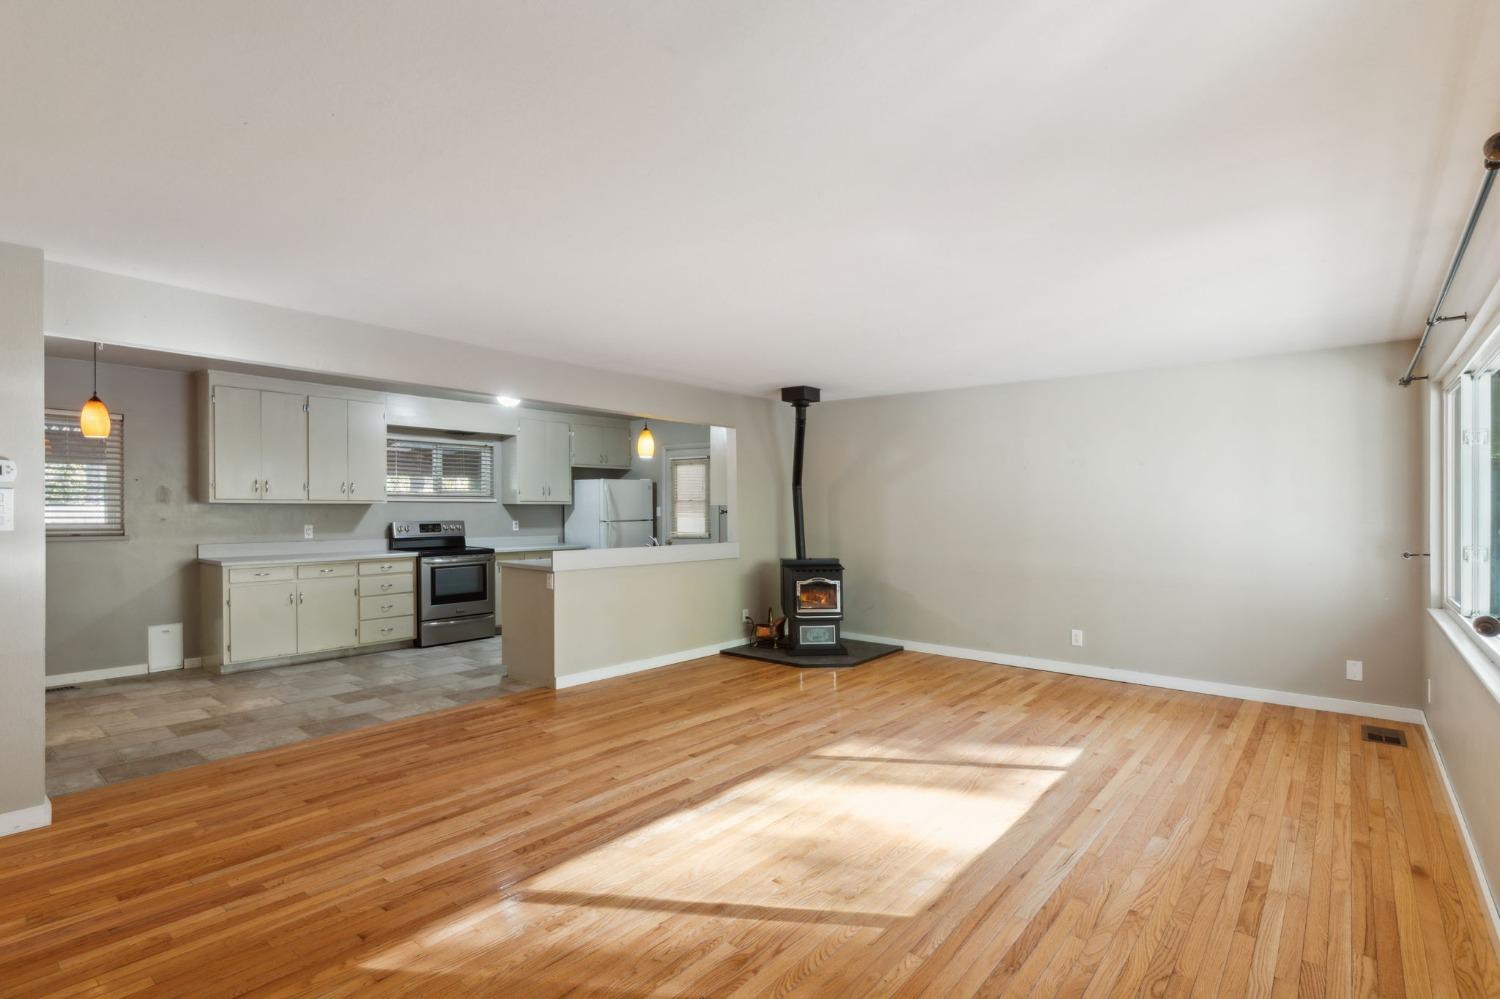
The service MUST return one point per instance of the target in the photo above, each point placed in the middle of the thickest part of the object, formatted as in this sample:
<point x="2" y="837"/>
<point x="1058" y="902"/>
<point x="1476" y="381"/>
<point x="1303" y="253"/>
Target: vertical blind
<point x="426" y="469"/>
<point x="689" y="497"/>
<point x="84" y="478"/>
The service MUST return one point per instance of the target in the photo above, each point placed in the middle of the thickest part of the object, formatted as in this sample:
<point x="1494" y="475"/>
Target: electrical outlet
<point x="1077" y="636"/>
<point x="515" y="525"/>
<point x="1354" y="669"/>
<point x="307" y="530"/>
<point x="745" y="616"/>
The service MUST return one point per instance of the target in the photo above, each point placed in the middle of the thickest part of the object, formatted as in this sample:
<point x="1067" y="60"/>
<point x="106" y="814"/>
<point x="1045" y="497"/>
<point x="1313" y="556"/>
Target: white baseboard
<point x="110" y="673"/>
<point x="1480" y="874"/>
<point x="641" y="665"/>
<point x="22" y="819"/>
<point x="1388" y="712"/>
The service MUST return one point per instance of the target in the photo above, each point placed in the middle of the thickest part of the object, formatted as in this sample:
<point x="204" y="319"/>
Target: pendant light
<point x="93" y="419"/>
<point x="645" y="444"/>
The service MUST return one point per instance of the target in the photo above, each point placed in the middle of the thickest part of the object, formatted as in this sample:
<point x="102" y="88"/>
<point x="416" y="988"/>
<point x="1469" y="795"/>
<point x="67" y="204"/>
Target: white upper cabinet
<point x="366" y="451"/>
<point x="601" y="445"/>
<point x="537" y="463"/>
<point x="267" y="440"/>
<point x="236" y="433"/>
<point x="327" y="448"/>
<point x="283" y="447"/>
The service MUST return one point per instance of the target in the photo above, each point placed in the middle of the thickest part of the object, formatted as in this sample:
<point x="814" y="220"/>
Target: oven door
<point x="457" y="586"/>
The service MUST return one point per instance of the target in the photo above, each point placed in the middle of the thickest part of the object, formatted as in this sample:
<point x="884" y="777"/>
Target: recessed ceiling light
<point x="506" y="400"/>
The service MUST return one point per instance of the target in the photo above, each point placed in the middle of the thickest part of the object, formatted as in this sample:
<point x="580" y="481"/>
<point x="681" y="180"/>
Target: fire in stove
<point x="818" y="596"/>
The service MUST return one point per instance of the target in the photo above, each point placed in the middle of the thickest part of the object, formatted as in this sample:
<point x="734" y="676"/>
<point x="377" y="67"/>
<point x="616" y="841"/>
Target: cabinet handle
<point x="325" y="571"/>
<point x="291" y="598"/>
<point x="386" y="567"/>
<point x="386" y="607"/>
<point x="351" y="487"/>
<point x="262" y="573"/>
<point x="343" y="487"/>
<point x="386" y="586"/>
<point x="299" y="596"/>
<point x="255" y="486"/>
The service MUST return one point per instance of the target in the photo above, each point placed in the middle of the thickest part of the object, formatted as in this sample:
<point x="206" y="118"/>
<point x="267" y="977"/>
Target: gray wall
<point x="1465" y="720"/>
<point x="22" y="552"/>
<point x="1237" y="522"/>
<point x="102" y="595"/>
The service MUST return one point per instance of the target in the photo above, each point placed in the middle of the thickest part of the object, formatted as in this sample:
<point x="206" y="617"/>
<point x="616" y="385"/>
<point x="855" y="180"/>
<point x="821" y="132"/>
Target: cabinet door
<point x="366" y="452"/>
<point x="588" y="445"/>
<point x="327" y="448"/>
<point x="236" y="430"/>
<point x="327" y="614"/>
<point x="615" y="443"/>
<point x="283" y="447"/>
<point x="559" y="464"/>
<point x="530" y="466"/>
<point x="262" y="621"/>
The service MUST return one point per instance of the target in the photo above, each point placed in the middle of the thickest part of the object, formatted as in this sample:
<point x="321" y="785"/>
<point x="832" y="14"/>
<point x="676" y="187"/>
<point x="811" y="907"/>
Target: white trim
<point x="617" y="558"/>
<point x="22" y="819"/>
<point x="641" y="665"/>
<point x="111" y="673"/>
<point x="1477" y="865"/>
<point x="1388" y="712"/>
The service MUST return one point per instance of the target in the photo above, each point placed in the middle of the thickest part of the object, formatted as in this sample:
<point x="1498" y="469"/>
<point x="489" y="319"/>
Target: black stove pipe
<point x="800" y="396"/>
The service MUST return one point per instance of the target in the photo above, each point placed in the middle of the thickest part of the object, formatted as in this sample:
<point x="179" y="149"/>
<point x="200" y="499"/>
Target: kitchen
<point x="247" y="519"/>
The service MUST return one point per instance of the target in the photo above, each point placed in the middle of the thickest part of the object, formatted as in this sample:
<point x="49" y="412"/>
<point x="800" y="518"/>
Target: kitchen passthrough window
<point x="83" y="478"/>
<point x="425" y="468"/>
<point x="689" y="497"/>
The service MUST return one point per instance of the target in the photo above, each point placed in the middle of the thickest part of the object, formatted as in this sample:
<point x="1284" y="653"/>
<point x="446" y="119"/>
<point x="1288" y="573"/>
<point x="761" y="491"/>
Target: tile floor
<point x="100" y="733"/>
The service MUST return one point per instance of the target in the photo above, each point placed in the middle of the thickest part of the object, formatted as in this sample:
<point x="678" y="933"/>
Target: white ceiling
<point x="865" y="195"/>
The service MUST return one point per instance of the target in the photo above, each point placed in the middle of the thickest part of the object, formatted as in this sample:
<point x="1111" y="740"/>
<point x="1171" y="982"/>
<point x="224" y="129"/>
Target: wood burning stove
<point x="812" y="589"/>
<point x="812" y="598"/>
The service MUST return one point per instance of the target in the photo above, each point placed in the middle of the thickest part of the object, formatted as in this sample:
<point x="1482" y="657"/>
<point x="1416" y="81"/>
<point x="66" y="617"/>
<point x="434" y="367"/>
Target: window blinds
<point x="84" y="478"/>
<point x="689" y="497"/>
<point x="428" y="469"/>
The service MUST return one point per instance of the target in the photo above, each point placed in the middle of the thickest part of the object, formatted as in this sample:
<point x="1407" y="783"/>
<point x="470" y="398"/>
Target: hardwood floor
<point x="917" y="826"/>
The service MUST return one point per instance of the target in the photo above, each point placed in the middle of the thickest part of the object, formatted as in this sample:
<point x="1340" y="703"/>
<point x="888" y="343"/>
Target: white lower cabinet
<point x="264" y="612"/>
<point x="262" y="621"/>
<point x="327" y="614"/>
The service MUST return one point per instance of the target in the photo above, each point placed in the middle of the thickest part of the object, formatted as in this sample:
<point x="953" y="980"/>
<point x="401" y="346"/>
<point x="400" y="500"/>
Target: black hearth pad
<point x="859" y="652"/>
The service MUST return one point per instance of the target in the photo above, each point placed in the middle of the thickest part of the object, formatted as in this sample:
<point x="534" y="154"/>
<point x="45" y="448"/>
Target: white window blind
<point x="84" y="478"/>
<point x="689" y="497"/>
<point x="434" y="469"/>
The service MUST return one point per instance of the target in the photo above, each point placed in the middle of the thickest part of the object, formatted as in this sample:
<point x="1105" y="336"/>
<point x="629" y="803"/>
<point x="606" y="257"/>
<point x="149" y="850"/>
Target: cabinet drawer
<point x="396" y="629"/>
<point x="390" y="605"/>
<point x="394" y="565"/>
<point x="325" y="571"/>
<point x="373" y="586"/>
<point x="263" y="574"/>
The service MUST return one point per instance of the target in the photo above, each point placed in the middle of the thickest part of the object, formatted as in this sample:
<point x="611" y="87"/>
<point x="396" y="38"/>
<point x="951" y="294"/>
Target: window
<point x="1472" y="486"/>
<point x="689" y="497"/>
<point x="417" y="468"/>
<point x="84" y="478"/>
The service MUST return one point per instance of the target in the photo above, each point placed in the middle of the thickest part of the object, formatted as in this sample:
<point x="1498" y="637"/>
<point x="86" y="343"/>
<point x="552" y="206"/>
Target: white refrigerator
<point x="610" y="513"/>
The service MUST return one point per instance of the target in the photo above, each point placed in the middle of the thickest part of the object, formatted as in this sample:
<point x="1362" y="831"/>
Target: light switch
<point x="7" y="509"/>
<point x="7" y="470"/>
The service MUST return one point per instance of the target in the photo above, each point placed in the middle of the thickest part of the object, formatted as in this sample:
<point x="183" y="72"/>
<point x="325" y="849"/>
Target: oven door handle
<point x="458" y="560"/>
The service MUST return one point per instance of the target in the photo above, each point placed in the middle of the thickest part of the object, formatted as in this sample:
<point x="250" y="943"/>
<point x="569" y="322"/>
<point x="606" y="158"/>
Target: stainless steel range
<point x="455" y="581"/>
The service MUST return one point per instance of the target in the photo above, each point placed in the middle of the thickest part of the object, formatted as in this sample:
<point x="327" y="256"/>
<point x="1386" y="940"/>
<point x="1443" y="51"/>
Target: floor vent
<point x="1388" y="736"/>
<point x="53" y="690"/>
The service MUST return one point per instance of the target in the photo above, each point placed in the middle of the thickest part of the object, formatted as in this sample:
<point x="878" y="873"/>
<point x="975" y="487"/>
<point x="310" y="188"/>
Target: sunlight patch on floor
<point x="862" y="833"/>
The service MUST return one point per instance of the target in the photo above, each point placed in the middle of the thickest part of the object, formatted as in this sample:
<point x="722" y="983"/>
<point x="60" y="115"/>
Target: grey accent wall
<point x="1238" y="522"/>
<point x="102" y="595"/>
<point x="23" y="564"/>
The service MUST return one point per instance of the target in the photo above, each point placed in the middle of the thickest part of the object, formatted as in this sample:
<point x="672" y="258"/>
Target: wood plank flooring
<point x="916" y="826"/>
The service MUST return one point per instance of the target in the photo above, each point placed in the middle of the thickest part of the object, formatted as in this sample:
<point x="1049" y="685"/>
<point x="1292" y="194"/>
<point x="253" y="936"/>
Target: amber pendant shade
<point x="645" y="444"/>
<point x="93" y="419"/>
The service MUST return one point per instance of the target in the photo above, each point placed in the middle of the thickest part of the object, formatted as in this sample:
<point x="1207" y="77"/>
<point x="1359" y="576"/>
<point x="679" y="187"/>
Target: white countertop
<point x="506" y="549"/>
<point x="532" y="564"/>
<point x="236" y="561"/>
